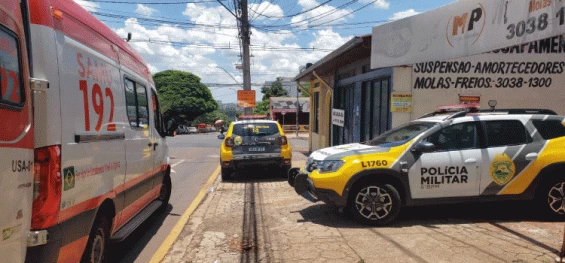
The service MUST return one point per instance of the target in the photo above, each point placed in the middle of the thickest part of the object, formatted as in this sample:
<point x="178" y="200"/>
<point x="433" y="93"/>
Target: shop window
<point x="12" y="93"/>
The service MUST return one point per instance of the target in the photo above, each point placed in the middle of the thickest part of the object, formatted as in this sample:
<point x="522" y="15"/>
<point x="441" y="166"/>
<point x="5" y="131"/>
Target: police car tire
<point x="546" y="198"/>
<point x="226" y="174"/>
<point x="389" y="196"/>
<point x="98" y="241"/>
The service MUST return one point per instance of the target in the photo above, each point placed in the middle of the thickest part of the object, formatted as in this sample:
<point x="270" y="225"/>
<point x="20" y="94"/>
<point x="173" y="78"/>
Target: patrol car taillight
<point x="283" y="140"/>
<point x="47" y="187"/>
<point x="229" y="142"/>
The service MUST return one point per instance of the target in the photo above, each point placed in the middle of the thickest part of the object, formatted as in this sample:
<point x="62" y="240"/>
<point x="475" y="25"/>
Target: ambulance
<point x="83" y="153"/>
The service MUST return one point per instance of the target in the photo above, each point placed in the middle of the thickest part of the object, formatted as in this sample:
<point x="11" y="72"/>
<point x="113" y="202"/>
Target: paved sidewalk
<point x="264" y="220"/>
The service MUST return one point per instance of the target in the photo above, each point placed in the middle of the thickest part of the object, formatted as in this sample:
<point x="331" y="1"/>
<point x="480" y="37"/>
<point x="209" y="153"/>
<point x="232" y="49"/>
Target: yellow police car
<point x="443" y="158"/>
<point x="255" y="144"/>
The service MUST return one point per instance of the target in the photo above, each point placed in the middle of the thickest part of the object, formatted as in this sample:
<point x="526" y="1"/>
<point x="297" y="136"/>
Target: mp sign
<point x="465" y="28"/>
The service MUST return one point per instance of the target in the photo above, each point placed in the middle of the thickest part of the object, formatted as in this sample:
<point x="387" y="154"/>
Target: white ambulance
<point x="16" y="135"/>
<point x="95" y="133"/>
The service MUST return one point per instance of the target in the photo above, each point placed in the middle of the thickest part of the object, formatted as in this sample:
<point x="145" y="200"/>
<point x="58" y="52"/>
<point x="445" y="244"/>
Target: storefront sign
<point x="465" y="28"/>
<point x="527" y="75"/>
<point x="246" y="98"/>
<point x="338" y="117"/>
<point x="401" y="102"/>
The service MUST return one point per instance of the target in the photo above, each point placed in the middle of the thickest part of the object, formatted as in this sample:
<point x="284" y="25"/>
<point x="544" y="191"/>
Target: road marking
<point x="175" y="232"/>
<point x="175" y="164"/>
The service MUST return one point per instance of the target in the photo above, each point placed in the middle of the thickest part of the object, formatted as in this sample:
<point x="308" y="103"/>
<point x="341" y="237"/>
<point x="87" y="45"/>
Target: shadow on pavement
<point x="129" y="249"/>
<point x="491" y="212"/>
<point x="257" y="175"/>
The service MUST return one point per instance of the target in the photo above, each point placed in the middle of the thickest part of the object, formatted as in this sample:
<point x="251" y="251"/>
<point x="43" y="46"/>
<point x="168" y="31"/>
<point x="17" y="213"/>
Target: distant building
<point x="284" y="110"/>
<point x="288" y="84"/>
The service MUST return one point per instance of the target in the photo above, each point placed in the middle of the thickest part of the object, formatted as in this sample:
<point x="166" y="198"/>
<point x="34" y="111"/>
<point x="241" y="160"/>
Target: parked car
<point x="192" y="130"/>
<point x="253" y="143"/>
<point x="455" y="157"/>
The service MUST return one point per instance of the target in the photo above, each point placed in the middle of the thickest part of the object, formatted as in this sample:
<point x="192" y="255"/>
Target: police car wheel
<point x="96" y="247"/>
<point x="375" y="204"/>
<point x="555" y="198"/>
<point x="226" y="174"/>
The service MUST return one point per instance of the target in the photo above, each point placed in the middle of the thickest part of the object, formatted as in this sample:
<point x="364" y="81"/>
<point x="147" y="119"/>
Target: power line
<point x="293" y="15"/>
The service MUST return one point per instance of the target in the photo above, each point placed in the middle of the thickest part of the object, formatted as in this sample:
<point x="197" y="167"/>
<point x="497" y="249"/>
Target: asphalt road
<point x="194" y="158"/>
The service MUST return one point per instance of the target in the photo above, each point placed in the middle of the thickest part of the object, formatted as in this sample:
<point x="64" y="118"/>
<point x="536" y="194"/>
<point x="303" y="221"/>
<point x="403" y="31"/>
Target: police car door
<point x="452" y="169"/>
<point x="16" y="136"/>
<point x="510" y="149"/>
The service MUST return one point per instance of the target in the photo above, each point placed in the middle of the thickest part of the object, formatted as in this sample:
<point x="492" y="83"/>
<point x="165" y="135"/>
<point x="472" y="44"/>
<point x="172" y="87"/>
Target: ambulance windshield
<point x="400" y="135"/>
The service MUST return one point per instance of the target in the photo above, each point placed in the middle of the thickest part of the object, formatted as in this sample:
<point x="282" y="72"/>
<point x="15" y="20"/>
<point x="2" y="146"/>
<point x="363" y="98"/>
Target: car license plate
<point x="256" y="149"/>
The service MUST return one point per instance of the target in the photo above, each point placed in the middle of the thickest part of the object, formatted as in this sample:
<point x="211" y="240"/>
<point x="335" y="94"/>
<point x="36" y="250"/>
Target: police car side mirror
<point x="424" y="147"/>
<point x="221" y="136"/>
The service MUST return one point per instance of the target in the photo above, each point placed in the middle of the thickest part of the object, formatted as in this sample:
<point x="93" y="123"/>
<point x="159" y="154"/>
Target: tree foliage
<point x="262" y="107"/>
<point x="211" y="117"/>
<point x="183" y="97"/>
<point x="275" y="90"/>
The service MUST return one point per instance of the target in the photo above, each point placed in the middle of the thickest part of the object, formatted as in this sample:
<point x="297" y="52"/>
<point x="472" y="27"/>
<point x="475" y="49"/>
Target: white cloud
<point x="145" y="10"/>
<point x="403" y="14"/>
<point x="322" y="15"/>
<point x="381" y="4"/>
<point x="327" y="39"/>
<point x="89" y="6"/>
<point x="185" y="49"/>
<point x="265" y="10"/>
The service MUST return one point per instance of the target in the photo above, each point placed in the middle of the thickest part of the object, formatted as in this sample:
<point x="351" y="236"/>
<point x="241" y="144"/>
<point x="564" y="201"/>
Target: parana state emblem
<point x="502" y="169"/>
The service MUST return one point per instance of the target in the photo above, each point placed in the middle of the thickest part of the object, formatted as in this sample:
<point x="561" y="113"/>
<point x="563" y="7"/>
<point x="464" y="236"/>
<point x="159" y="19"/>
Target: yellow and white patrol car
<point x="444" y="158"/>
<point x="254" y="143"/>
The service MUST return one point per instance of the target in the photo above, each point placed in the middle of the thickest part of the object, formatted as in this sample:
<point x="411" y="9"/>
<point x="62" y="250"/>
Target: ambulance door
<point x="139" y="147"/>
<point x="16" y="137"/>
<point x="452" y="170"/>
<point x="158" y="133"/>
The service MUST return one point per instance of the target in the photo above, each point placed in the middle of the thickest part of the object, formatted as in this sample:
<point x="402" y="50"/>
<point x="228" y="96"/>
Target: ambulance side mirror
<point x="424" y="147"/>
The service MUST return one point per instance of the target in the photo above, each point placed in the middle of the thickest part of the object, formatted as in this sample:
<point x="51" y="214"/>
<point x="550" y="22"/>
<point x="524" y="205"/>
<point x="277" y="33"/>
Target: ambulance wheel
<point x="551" y="198"/>
<point x="226" y="174"/>
<point x="165" y="193"/>
<point x="97" y="246"/>
<point x="374" y="203"/>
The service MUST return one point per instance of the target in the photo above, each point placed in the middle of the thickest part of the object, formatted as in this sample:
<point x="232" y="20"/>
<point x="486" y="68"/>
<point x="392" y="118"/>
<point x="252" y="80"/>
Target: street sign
<point x="246" y="98"/>
<point x="283" y="112"/>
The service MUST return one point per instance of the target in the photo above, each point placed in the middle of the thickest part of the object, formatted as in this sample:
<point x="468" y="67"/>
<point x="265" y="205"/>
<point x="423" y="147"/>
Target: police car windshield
<point x="255" y="129"/>
<point x="400" y="135"/>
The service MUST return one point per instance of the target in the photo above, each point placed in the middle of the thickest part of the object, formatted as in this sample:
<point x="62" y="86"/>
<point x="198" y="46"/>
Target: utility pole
<point x="246" y="41"/>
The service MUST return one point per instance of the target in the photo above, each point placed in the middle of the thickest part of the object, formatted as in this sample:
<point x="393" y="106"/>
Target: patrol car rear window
<point x="255" y="129"/>
<point x="401" y="134"/>
<point x="504" y="133"/>
<point x="550" y="129"/>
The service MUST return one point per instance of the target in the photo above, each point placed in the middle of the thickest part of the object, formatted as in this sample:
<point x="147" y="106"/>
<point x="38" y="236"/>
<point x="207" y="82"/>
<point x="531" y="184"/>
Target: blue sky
<point x="201" y="36"/>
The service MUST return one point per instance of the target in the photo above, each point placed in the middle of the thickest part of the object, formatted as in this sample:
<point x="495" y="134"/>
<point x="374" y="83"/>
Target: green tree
<point x="183" y="97"/>
<point x="306" y="86"/>
<point x="262" y="107"/>
<point x="211" y="117"/>
<point x="275" y="90"/>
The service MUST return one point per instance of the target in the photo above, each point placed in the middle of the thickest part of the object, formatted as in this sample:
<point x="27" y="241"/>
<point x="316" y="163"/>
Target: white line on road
<point x="175" y="164"/>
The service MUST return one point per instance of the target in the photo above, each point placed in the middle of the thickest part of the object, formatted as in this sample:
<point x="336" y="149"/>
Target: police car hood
<point x="338" y="152"/>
